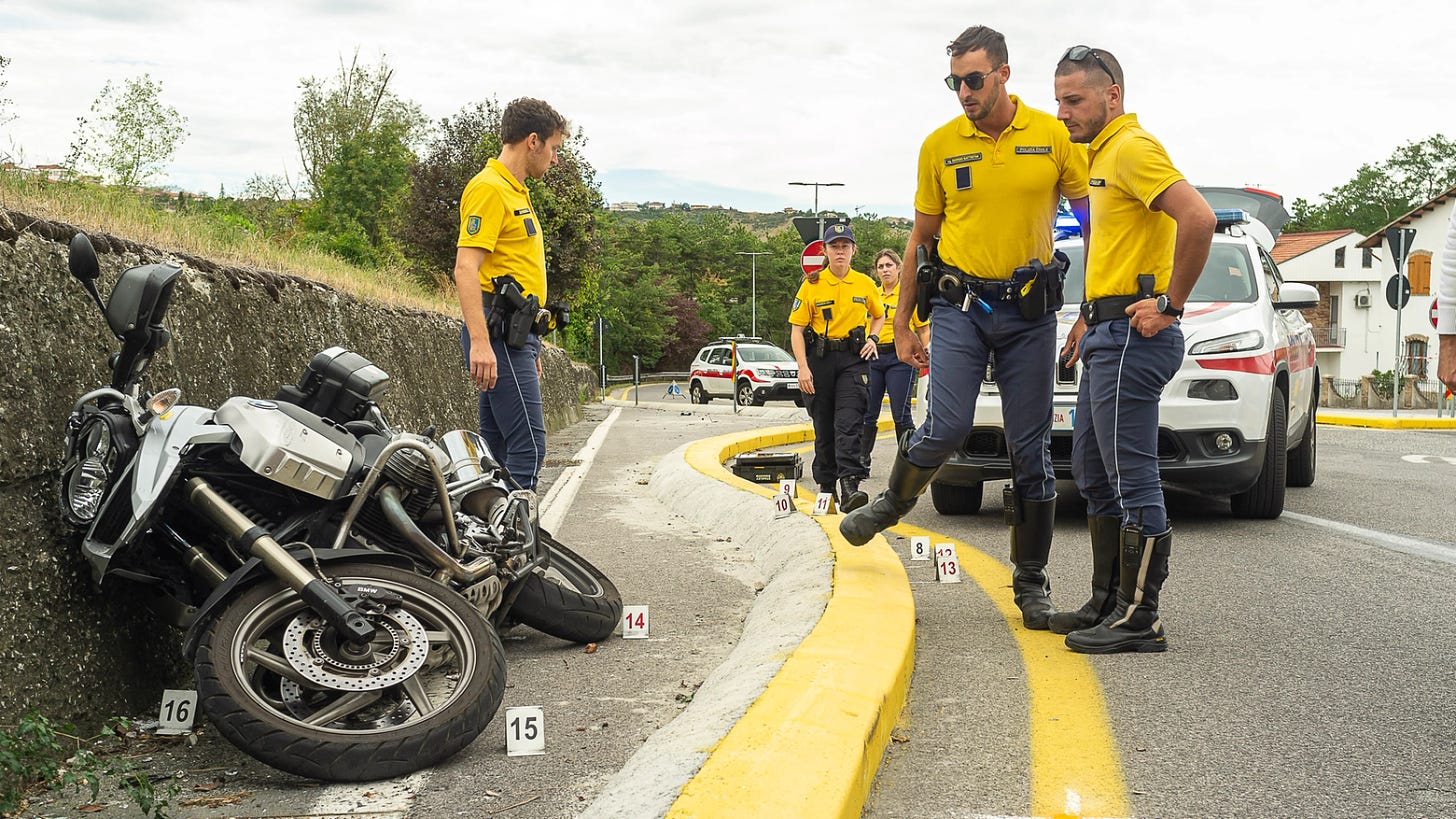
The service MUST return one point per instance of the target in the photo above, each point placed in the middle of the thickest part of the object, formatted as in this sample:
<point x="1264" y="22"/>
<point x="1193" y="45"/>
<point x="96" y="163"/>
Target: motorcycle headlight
<point x="1236" y="343"/>
<point x="89" y="472"/>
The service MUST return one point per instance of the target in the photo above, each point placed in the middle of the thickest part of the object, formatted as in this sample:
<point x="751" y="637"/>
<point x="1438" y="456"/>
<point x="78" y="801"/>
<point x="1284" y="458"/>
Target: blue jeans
<point x="960" y="344"/>
<point x="511" y="419"/>
<point x="1115" y="429"/>
<point x="889" y="374"/>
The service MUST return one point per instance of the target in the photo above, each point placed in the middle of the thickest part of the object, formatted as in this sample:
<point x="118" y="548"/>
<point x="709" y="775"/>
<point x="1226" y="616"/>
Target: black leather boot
<point x="1106" y="533"/>
<point x="851" y="497"/>
<point x="1031" y="541"/>
<point x="1134" y="625"/>
<point x="867" y="443"/>
<point x="906" y="483"/>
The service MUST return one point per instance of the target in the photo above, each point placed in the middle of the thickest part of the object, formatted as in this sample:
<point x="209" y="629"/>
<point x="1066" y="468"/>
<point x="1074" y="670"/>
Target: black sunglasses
<point x="1078" y="53"/>
<point x="974" y="80"/>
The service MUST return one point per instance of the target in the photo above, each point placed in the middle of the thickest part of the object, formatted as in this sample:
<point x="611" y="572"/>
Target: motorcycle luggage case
<point x="768" y="467"/>
<point x="339" y="385"/>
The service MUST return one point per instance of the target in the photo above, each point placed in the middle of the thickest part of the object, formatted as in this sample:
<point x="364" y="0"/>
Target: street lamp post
<point x="817" y="186"/>
<point x="753" y="292"/>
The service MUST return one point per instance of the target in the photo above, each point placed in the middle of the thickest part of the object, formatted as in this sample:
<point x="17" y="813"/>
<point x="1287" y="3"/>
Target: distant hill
<point x="760" y="223"/>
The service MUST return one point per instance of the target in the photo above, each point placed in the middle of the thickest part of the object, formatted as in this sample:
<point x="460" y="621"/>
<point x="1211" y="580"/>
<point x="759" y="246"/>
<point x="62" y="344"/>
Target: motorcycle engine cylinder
<point x="471" y="458"/>
<point x="411" y="467"/>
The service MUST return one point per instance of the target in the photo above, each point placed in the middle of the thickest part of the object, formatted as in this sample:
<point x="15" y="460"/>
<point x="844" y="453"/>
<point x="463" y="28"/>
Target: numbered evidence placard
<point x="783" y="505"/>
<point x="634" y="622"/>
<point x="920" y="547"/>
<point x="179" y="708"/>
<point x="526" y="730"/>
<point x="947" y="566"/>
<point x="823" y="502"/>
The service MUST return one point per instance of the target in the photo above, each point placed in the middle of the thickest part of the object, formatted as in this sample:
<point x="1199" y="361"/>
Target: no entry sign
<point x="812" y="259"/>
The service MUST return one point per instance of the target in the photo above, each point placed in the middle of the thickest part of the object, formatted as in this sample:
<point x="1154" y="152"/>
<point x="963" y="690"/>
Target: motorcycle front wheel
<point x="573" y="600"/>
<point x="278" y="682"/>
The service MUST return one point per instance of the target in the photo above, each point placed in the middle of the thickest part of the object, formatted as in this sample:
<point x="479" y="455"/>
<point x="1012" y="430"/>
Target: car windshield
<point x="1228" y="275"/>
<point x="762" y="354"/>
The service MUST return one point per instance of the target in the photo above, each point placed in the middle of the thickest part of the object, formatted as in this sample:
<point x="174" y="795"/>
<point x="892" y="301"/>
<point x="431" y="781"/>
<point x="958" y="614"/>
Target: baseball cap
<point x="838" y="230"/>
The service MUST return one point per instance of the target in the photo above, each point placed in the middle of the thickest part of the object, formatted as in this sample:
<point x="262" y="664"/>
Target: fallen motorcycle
<point x="341" y="582"/>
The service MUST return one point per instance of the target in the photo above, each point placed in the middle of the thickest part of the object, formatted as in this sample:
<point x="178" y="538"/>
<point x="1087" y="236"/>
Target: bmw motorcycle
<point x="341" y="583"/>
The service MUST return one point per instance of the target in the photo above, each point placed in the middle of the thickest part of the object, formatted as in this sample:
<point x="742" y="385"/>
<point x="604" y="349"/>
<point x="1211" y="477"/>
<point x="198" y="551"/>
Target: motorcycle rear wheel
<point x="350" y="718"/>
<point x="575" y="601"/>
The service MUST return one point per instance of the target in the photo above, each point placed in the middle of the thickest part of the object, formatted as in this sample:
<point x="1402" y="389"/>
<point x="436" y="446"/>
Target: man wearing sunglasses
<point x="1151" y="236"/>
<point x="988" y="184"/>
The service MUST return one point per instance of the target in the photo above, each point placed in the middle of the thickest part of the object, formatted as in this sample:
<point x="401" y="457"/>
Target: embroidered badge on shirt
<point x="520" y="211"/>
<point x="472" y="225"/>
<point x="1097" y="183"/>
<point x="961" y="159"/>
<point x="1033" y="149"/>
<point x="530" y="226"/>
<point x="797" y="302"/>
<point x="861" y="300"/>
<point x="963" y="178"/>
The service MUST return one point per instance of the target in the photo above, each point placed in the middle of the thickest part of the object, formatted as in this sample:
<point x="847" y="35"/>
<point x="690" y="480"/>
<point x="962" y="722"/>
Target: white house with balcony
<point x="1352" y="303"/>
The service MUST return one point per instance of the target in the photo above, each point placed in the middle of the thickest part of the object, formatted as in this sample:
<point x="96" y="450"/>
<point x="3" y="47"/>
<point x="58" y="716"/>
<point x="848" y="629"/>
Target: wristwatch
<point x="873" y="337"/>
<point x="1166" y="307"/>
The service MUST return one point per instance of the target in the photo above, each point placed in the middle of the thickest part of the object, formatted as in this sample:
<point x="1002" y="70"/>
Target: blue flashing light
<point x="1230" y="216"/>
<point x="1066" y="225"/>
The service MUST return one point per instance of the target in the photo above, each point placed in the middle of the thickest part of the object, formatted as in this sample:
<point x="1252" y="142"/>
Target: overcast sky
<point x="727" y="102"/>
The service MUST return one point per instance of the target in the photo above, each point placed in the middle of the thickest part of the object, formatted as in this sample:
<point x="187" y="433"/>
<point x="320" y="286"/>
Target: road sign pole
<point x="1399" y="245"/>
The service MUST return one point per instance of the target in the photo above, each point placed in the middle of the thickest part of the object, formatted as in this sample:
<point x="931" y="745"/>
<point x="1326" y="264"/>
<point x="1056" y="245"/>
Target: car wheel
<point x="699" y="395"/>
<point x="746" y="397"/>
<point x="1302" y="457"/>
<point x="956" y="500"/>
<point x="1265" y="499"/>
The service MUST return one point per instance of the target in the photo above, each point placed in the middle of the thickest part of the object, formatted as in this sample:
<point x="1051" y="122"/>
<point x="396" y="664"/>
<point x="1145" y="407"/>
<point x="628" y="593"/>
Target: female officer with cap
<point x="833" y="363"/>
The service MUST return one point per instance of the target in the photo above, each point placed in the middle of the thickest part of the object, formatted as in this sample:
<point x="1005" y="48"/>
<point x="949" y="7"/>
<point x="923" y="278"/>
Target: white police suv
<point x="1238" y="418"/>
<point x="764" y="372"/>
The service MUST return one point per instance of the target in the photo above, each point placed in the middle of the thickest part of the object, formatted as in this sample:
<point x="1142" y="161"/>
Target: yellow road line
<point x="811" y="743"/>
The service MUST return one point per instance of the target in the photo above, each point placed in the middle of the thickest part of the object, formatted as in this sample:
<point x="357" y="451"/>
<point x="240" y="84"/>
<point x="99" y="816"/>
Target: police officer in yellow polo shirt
<point x="989" y="183"/>
<point x="1151" y="232"/>
<point x="835" y="324"/>
<point x="888" y="374"/>
<point x="500" y="272"/>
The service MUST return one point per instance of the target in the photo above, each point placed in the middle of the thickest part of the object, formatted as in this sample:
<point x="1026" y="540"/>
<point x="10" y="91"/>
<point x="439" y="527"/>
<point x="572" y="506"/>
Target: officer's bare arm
<point x="472" y="307"/>
<point x="801" y="355"/>
<point x="907" y="343"/>
<point x="1195" y="235"/>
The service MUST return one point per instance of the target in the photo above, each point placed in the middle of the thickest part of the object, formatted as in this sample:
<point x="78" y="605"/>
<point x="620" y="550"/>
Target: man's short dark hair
<point x="1100" y="77"/>
<point x="980" y="38"/>
<point x="527" y="116"/>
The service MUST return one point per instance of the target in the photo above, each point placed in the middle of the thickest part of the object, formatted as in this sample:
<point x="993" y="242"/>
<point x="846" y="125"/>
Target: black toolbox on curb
<point x="768" y="467"/>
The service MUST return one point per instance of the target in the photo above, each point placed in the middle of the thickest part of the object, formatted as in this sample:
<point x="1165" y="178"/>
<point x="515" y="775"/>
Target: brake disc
<point x="399" y="650"/>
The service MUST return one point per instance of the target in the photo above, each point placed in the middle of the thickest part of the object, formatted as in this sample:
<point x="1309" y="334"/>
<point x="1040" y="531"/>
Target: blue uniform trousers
<point x="888" y="374"/>
<point x="960" y="343"/>
<point x="837" y="408"/>
<point x="511" y="419"/>
<point x="1115" y="431"/>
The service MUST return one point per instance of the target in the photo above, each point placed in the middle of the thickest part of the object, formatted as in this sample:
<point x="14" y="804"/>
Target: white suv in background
<point x="764" y="372"/>
<point x="1237" y="419"/>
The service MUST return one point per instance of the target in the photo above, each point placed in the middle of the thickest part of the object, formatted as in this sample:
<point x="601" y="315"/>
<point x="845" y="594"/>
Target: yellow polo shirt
<point x="892" y="303"/>
<point x="1129" y="169"/>
<point x="496" y="214"/>
<point x="833" y="306"/>
<point x="999" y="195"/>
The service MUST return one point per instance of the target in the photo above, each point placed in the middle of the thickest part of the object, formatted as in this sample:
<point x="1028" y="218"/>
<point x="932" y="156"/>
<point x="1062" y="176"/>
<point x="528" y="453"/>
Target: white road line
<point x="1443" y="552"/>
<point x="393" y="798"/>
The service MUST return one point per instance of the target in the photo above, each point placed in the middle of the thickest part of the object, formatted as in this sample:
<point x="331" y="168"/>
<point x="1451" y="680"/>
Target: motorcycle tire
<point x="574" y="602"/>
<point x="351" y="718"/>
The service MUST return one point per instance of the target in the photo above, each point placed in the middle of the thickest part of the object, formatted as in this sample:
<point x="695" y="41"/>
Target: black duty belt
<point x="835" y="345"/>
<point x="1108" y="308"/>
<point x="959" y="288"/>
<point x="886" y="349"/>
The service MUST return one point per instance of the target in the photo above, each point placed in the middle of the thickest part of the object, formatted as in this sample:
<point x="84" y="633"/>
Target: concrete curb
<point x="1345" y="419"/>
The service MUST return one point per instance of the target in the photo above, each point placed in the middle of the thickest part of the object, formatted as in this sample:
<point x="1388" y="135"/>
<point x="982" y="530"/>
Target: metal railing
<point x="1329" y="336"/>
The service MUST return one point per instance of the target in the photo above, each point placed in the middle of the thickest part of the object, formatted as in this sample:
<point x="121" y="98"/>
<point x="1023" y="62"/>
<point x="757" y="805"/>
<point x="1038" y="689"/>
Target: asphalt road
<point x="1309" y="671"/>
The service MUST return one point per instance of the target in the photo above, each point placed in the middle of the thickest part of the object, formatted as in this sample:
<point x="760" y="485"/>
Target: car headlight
<point x="90" y="473"/>
<point x="1236" y="343"/>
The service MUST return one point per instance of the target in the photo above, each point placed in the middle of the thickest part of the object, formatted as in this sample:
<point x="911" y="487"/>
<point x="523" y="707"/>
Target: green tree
<point x="346" y="109"/>
<point x="358" y="194"/>
<point x="1379" y="193"/>
<point x="134" y="136"/>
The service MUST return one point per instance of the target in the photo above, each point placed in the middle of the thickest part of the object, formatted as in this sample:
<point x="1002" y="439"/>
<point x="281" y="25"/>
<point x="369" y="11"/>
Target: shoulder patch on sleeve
<point x="472" y="225"/>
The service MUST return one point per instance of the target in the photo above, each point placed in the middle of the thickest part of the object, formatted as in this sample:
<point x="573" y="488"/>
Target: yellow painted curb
<point x="1385" y="422"/>
<point x="811" y="743"/>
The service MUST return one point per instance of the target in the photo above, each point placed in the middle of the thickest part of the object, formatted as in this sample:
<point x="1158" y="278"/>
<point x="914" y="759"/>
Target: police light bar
<point x="1230" y="216"/>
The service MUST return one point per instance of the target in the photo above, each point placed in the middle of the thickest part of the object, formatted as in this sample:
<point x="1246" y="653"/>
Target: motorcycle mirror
<point x="85" y="267"/>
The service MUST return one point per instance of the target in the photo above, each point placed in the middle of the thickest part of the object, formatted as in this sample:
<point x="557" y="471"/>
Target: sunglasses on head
<point x="975" y="80"/>
<point x="1078" y="53"/>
